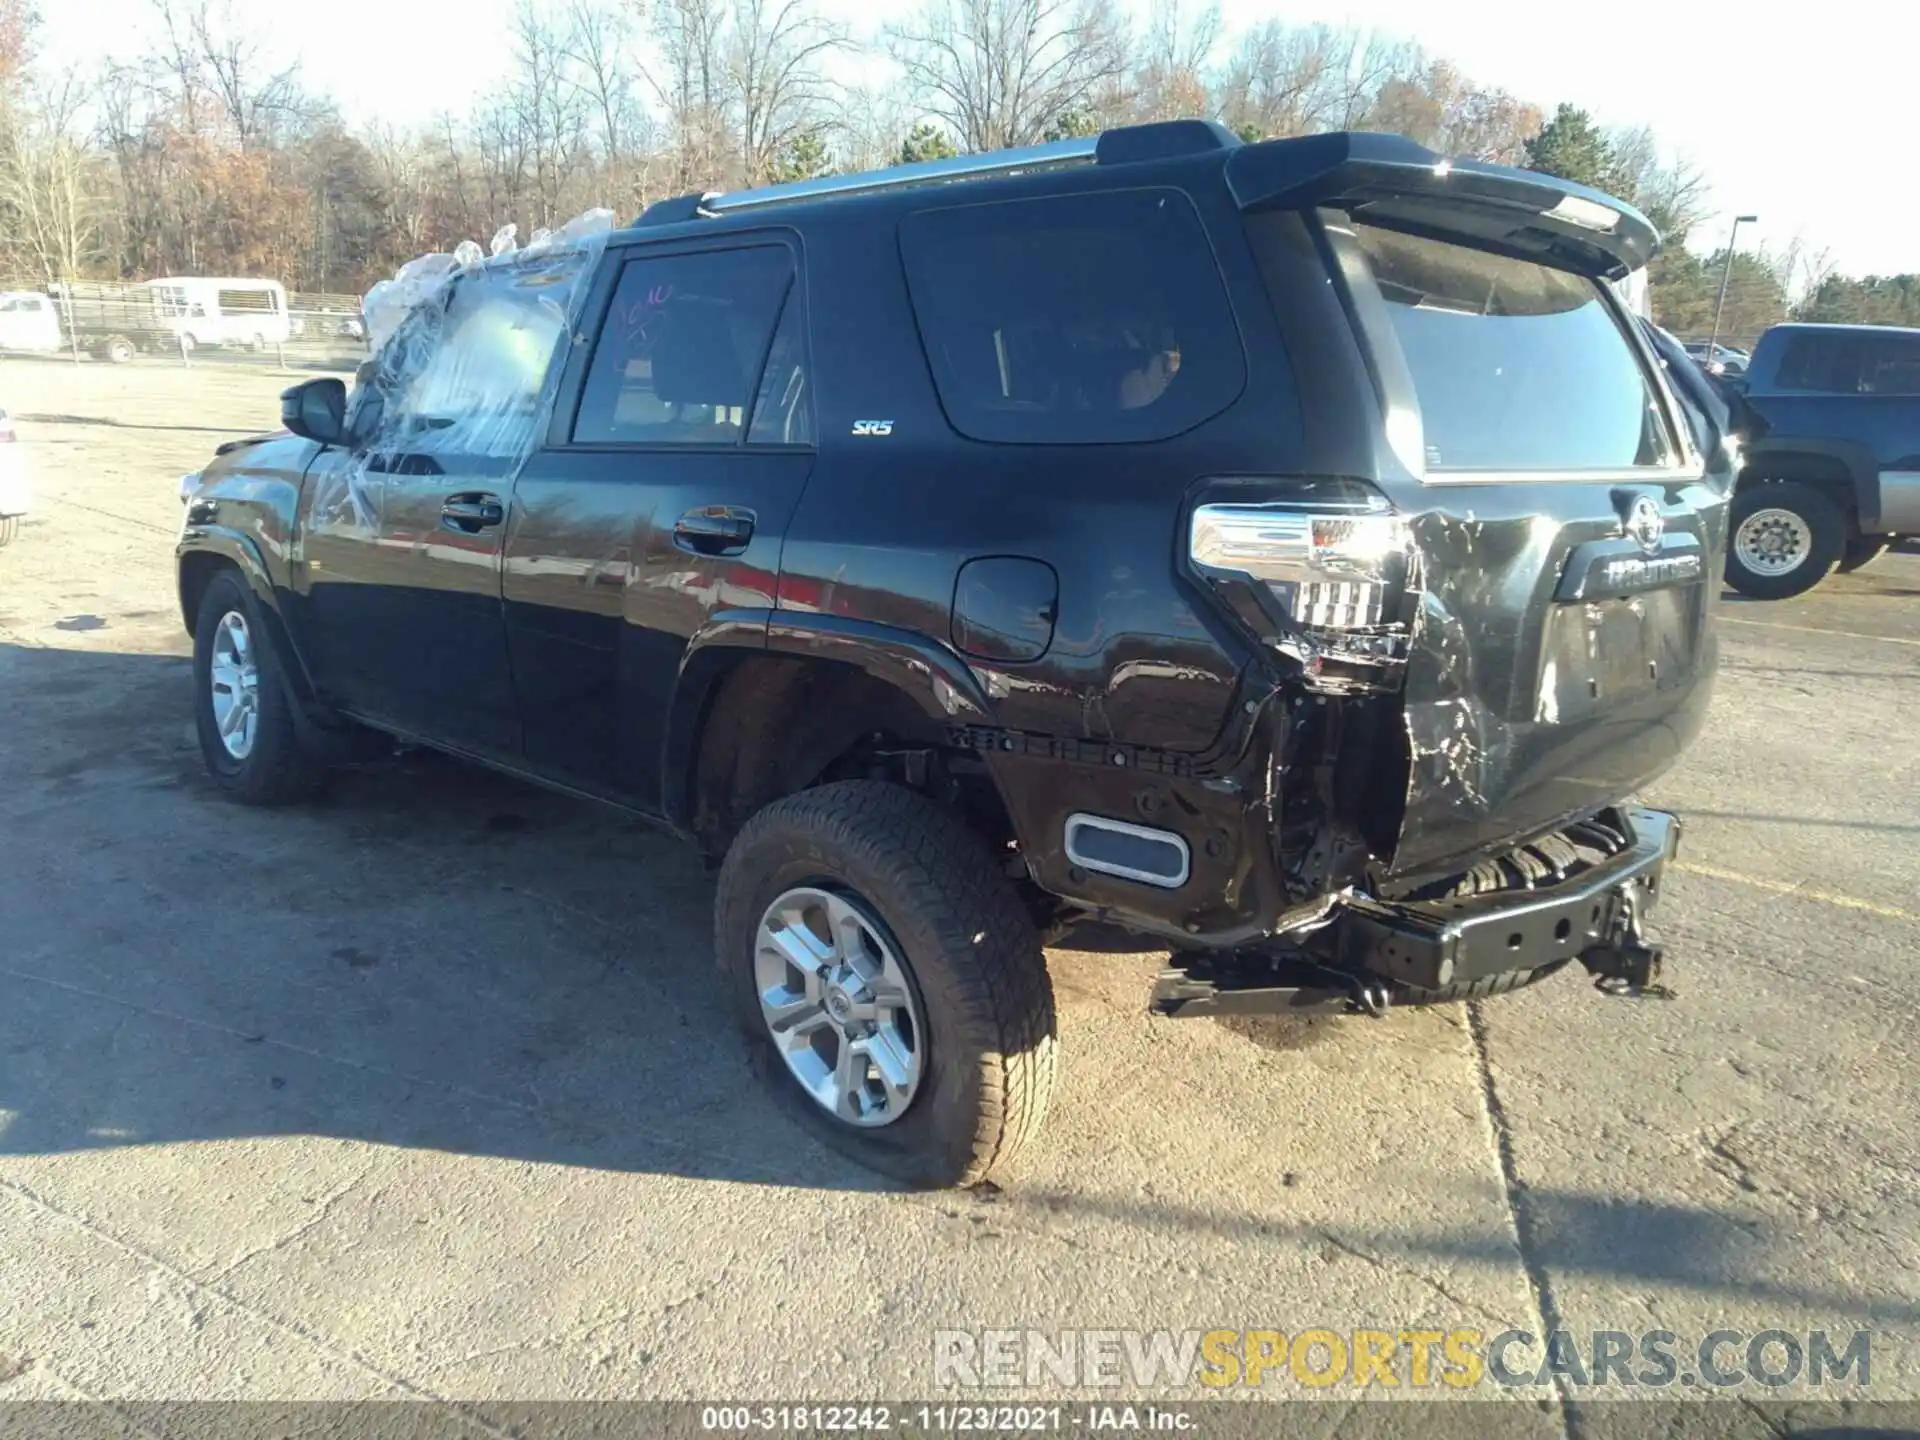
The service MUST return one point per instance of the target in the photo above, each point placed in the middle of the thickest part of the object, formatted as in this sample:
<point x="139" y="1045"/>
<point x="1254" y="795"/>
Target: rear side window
<point x="1517" y="366"/>
<point x="1850" y="362"/>
<point x="680" y="355"/>
<point x="262" y="300"/>
<point x="1892" y="365"/>
<point x="1820" y="361"/>
<point x="1081" y="319"/>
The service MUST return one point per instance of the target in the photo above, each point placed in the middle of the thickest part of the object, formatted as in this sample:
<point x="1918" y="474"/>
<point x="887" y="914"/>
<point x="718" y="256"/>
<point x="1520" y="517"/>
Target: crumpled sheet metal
<point x="1521" y="712"/>
<point x="461" y="369"/>
<point x="1461" y="747"/>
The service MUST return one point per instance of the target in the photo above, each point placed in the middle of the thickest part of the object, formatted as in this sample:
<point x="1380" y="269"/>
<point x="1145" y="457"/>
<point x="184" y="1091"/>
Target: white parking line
<point x="1783" y="887"/>
<point x="1817" y="630"/>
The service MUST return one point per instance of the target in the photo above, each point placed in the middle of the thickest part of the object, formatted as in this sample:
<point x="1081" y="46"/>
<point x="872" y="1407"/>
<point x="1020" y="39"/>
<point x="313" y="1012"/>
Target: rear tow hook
<point x="1627" y="965"/>
<point x="1371" y="998"/>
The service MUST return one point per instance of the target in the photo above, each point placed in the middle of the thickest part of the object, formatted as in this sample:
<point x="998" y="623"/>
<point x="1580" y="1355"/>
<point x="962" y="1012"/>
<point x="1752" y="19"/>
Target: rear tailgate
<point x="1567" y="535"/>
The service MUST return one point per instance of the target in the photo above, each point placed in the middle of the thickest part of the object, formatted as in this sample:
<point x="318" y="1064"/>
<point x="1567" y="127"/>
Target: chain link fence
<point x="184" y="321"/>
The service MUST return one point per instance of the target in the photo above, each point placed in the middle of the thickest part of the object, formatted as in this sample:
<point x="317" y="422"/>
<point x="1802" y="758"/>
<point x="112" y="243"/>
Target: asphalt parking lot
<point x="424" y="1090"/>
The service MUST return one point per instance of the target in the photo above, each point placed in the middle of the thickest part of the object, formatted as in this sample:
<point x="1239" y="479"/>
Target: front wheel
<point x="242" y="710"/>
<point x="1786" y="537"/>
<point x="891" y="986"/>
<point x="9" y="528"/>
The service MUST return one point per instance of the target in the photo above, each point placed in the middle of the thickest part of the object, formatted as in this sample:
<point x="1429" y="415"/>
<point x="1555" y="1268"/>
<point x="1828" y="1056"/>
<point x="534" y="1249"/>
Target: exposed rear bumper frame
<point x="1372" y="951"/>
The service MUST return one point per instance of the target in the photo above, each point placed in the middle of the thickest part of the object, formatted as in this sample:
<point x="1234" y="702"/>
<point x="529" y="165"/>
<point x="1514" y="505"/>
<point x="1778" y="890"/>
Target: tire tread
<point x="1003" y="993"/>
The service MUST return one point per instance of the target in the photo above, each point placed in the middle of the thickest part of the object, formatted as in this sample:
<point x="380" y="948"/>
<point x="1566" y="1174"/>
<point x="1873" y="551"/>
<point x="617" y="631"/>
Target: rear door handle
<point x="472" y="512"/>
<point x="714" y="530"/>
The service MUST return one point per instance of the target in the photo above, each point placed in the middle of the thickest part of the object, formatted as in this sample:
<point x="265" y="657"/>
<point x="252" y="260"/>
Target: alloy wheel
<point x="235" y="677"/>
<point x="839" y="1003"/>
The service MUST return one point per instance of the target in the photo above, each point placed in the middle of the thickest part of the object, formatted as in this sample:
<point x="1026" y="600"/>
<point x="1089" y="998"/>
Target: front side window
<point x="680" y="354"/>
<point x="1517" y="366"/>
<point x="1082" y="319"/>
<point x="466" y="371"/>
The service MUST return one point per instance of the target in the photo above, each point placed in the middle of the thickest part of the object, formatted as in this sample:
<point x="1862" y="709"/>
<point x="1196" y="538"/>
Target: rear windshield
<point x="1517" y="366"/>
<point x="1080" y="319"/>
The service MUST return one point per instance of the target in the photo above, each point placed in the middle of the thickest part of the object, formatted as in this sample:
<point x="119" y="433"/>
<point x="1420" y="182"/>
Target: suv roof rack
<point x="1165" y="140"/>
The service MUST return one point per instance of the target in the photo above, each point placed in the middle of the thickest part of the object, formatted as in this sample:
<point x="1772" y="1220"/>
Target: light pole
<point x="1726" y="274"/>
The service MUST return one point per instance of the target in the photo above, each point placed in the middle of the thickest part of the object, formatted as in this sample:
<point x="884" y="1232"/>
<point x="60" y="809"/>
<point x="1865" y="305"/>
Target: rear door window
<point x="680" y="355"/>
<point x="1080" y="319"/>
<point x="1821" y="361"/>
<point x="1892" y="365"/>
<point x="1517" y="366"/>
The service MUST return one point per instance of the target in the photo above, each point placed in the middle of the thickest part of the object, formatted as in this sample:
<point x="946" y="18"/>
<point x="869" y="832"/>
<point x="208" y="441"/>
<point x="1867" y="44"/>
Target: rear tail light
<point x="1332" y="580"/>
<point x="6" y="428"/>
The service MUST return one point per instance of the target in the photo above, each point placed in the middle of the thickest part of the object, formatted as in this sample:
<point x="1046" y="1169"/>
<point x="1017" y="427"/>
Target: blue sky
<point x="1800" y="115"/>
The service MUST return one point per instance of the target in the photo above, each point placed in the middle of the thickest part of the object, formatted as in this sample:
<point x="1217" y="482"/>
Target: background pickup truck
<point x="1832" y="464"/>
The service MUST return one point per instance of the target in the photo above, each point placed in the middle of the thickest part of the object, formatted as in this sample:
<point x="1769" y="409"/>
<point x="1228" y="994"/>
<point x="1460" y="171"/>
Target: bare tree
<point x="1006" y="72"/>
<point x="598" y="36"/>
<point x="46" y="184"/>
<point x="773" y="74"/>
<point x="1674" y="195"/>
<point x="1170" y="73"/>
<point x="546" y="108"/>
<point x="177" y="58"/>
<point x="1285" y="80"/>
<point x="254" y="100"/>
<point x="874" y="120"/>
<point x="690" y="85"/>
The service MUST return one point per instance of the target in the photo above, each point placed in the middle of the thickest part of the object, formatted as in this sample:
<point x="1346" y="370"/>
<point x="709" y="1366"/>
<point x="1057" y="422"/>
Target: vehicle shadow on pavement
<point x="435" y="957"/>
<point x="1572" y="1235"/>
<point x="430" y="955"/>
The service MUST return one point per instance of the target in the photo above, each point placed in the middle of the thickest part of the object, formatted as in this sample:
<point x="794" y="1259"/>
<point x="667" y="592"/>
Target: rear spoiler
<point x="1389" y="180"/>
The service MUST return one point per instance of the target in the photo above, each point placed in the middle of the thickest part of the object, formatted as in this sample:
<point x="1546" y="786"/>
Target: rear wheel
<point x="890" y="985"/>
<point x="243" y="711"/>
<point x="1786" y="537"/>
<point x="118" y="349"/>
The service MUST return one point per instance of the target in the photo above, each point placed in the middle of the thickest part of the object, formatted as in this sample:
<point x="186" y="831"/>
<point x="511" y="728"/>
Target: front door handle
<point x="714" y="530"/>
<point x="471" y="513"/>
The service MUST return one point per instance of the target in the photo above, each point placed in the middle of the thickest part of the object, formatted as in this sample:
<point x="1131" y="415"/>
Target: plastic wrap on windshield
<point x="465" y="352"/>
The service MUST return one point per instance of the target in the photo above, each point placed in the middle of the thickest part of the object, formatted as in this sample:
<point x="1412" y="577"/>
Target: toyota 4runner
<point x="1289" y="553"/>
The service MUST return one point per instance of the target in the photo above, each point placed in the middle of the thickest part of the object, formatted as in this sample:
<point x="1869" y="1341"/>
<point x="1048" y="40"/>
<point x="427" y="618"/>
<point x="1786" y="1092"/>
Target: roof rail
<point x="929" y="172"/>
<point x="1160" y="140"/>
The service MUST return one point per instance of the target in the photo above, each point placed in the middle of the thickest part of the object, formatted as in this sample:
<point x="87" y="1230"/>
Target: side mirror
<point x="316" y="410"/>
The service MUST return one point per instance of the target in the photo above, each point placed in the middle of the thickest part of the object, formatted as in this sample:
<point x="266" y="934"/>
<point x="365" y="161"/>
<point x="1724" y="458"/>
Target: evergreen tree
<point x="804" y="158"/>
<point x="926" y="141"/>
<point x="1572" y="147"/>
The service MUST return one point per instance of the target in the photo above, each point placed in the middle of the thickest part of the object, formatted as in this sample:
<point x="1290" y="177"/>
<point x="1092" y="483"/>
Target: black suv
<point x="1288" y="553"/>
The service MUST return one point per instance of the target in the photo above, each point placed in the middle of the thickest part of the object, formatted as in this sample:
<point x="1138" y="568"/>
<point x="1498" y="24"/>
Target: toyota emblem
<point x="1644" y="525"/>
